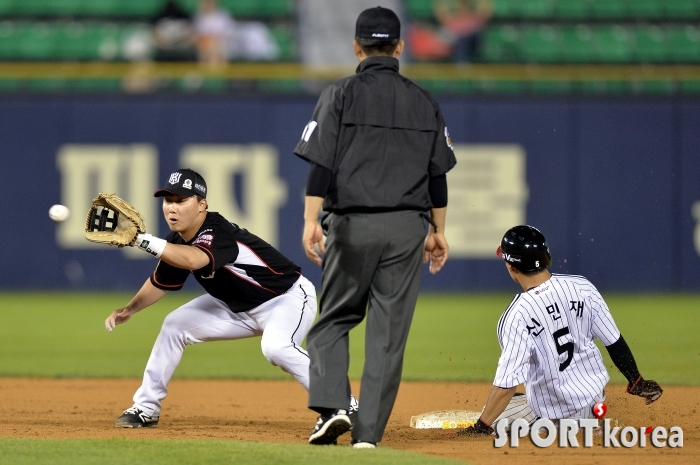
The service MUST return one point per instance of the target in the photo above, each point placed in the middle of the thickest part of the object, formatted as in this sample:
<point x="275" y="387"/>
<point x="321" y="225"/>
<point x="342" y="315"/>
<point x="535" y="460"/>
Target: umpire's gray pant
<point x="375" y="258"/>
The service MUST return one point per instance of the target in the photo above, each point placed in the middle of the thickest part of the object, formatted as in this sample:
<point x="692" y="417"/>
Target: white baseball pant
<point x="283" y="323"/>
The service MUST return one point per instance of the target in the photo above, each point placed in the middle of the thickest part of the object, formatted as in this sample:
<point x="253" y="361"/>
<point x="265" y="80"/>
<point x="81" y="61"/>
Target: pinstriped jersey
<point x="546" y="337"/>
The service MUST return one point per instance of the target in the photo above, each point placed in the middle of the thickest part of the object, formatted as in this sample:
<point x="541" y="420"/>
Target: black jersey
<point x="382" y="136"/>
<point x="243" y="271"/>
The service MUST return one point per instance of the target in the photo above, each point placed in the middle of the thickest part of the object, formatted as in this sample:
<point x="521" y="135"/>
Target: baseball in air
<point x="59" y="213"/>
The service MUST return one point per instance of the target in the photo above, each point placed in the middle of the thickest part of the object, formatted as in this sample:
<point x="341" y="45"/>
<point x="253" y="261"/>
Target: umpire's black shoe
<point x="134" y="417"/>
<point x="329" y="427"/>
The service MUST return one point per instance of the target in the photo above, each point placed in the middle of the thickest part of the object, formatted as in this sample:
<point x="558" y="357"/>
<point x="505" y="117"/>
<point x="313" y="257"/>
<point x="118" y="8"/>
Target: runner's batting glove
<point x="477" y="429"/>
<point x="648" y="389"/>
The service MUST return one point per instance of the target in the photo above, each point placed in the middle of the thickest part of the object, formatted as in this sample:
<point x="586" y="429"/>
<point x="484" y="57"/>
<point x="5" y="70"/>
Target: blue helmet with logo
<point x="525" y="248"/>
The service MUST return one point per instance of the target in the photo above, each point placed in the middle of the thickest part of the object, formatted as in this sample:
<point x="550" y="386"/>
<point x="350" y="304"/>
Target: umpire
<point x="378" y="150"/>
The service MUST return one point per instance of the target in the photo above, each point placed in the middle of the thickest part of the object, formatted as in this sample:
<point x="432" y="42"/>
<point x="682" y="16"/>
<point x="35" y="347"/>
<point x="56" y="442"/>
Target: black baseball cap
<point x="378" y="23"/>
<point x="184" y="182"/>
<point x="525" y="247"/>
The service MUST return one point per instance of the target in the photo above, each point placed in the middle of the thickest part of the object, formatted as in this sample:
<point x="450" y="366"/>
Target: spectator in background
<point x="462" y="22"/>
<point x="173" y="34"/>
<point x="215" y="30"/>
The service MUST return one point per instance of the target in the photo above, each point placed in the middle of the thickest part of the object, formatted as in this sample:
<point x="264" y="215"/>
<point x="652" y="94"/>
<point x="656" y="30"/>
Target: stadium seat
<point x="609" y="9"/>
<point x="506" y="9"/>
<point x="103" y="8"/>
<point x="87" y="41"/>
<point x="683" y="44"/>
<point x="500" y="44"/>
<point x="9" y="41"/>
<point x="614" y="44"/>
<point x="550" y="87"/>
<point x="572" y="10"/>
<point x="650" y="44"/>
<point x="419" y="8"/>
<point x="540" y="44"/>
<point x="661" y="86"/>
<point x="37" y="41"/>
<point x="284" y="36"/>
<point x="682" y="9"/>
<point x="578" y="45"/>
<point x="536" y="9"/>
<point x="647" y="9"/>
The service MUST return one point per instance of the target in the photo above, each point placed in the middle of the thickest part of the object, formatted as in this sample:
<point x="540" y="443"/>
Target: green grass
<point x="193" y="452"/>
<point x="453" y="338"/>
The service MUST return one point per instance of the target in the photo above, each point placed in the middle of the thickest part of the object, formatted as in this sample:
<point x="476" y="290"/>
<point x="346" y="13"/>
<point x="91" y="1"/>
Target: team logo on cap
<point x="175" y="178"/>
<point x="200" y="188"/>
<point x="382" y="36"/>
<point x="187" y="184"/>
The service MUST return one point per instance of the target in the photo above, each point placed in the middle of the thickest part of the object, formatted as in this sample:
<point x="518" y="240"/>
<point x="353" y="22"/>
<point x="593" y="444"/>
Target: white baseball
<point x="59" y="213"/>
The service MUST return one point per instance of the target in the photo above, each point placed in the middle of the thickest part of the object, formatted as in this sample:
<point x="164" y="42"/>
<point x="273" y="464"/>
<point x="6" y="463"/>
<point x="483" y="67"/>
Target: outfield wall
<point x="614" y="184"/>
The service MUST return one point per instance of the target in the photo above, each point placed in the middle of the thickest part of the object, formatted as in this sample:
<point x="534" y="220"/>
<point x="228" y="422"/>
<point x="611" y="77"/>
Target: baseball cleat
<point x="134" y="417"/>
<point x="352" y="413"/>
<point x="328" y="428"/>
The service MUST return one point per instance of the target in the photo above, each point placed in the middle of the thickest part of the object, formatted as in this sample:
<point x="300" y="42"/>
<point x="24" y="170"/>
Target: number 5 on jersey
<point x="567" y="347"/>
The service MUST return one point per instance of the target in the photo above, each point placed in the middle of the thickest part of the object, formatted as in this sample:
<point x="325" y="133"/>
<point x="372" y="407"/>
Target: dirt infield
<point x="275" y="411"/>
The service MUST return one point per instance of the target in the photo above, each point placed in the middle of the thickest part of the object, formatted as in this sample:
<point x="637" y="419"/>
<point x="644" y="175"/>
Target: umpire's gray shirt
<point x="382" y="136"/>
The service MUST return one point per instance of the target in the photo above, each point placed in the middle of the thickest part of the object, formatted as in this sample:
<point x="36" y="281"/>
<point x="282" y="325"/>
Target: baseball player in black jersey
<point x="252" y="290"/>
<point x="379" y="152"/>
<point x="546" y="337"/>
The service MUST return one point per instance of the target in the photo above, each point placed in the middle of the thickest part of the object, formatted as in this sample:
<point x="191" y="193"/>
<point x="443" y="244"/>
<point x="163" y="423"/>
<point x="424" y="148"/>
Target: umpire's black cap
<point x="525" y="248"/>
<point x="184" y="182"/>
<point x="378" y="24"/>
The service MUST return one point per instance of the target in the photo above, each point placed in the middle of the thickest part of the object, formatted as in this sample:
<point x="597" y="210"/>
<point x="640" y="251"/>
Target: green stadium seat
<point x="505" y="9"/>
<point x="37" y="41"/>
<point x="9" y="41"/>
<point x="605" y="87"/>
<point x="100" y="85"/>
<point x="139" y="8"/>
<point x="280" y="86"/>
<point x="572" y="9"/>
<point x="284" y="36"/>
<point x="47" y="85"/>
<point x="578" y="44"/>
<point x="609" y="9"/>
<point x="10" y="85"/>
<point x="62" y="7"/>
<point x="663" y="86"/>
<point x="258" y="8"/>
<point x="614" y="44"/>
<point x="498" y="86"/>
<point x="536" y="9"/>
<point x="682" y="9"/>
<point x="550" y="87"/>
<point x="419" y="8"/>
<point x="690" y="87"/>
<point x="683" y="44"/>
<point x="87" y="41"/>
<point x="7" y="7"/>
<point x="540" y="44"/>
<point x="650" y="44"/>
<point x="102" y="7"/>
<point x="647" y="9"/>
<point x="500" y="44"/>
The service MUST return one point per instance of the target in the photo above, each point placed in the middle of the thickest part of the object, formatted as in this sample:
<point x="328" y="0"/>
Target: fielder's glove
<point x="477" y="429"/>
<point x="113" y="221"/>
<point x="648" y="389"/>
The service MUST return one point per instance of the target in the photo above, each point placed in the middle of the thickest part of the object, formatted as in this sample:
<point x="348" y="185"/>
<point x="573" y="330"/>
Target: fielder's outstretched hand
<point x="435" y="251"/>
<point x="119" y="316"/>
<point x="648" y="389"/>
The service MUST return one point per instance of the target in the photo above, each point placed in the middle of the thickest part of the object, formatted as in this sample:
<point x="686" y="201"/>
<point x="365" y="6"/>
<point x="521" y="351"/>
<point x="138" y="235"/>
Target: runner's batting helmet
<point x="525" y="248"/>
